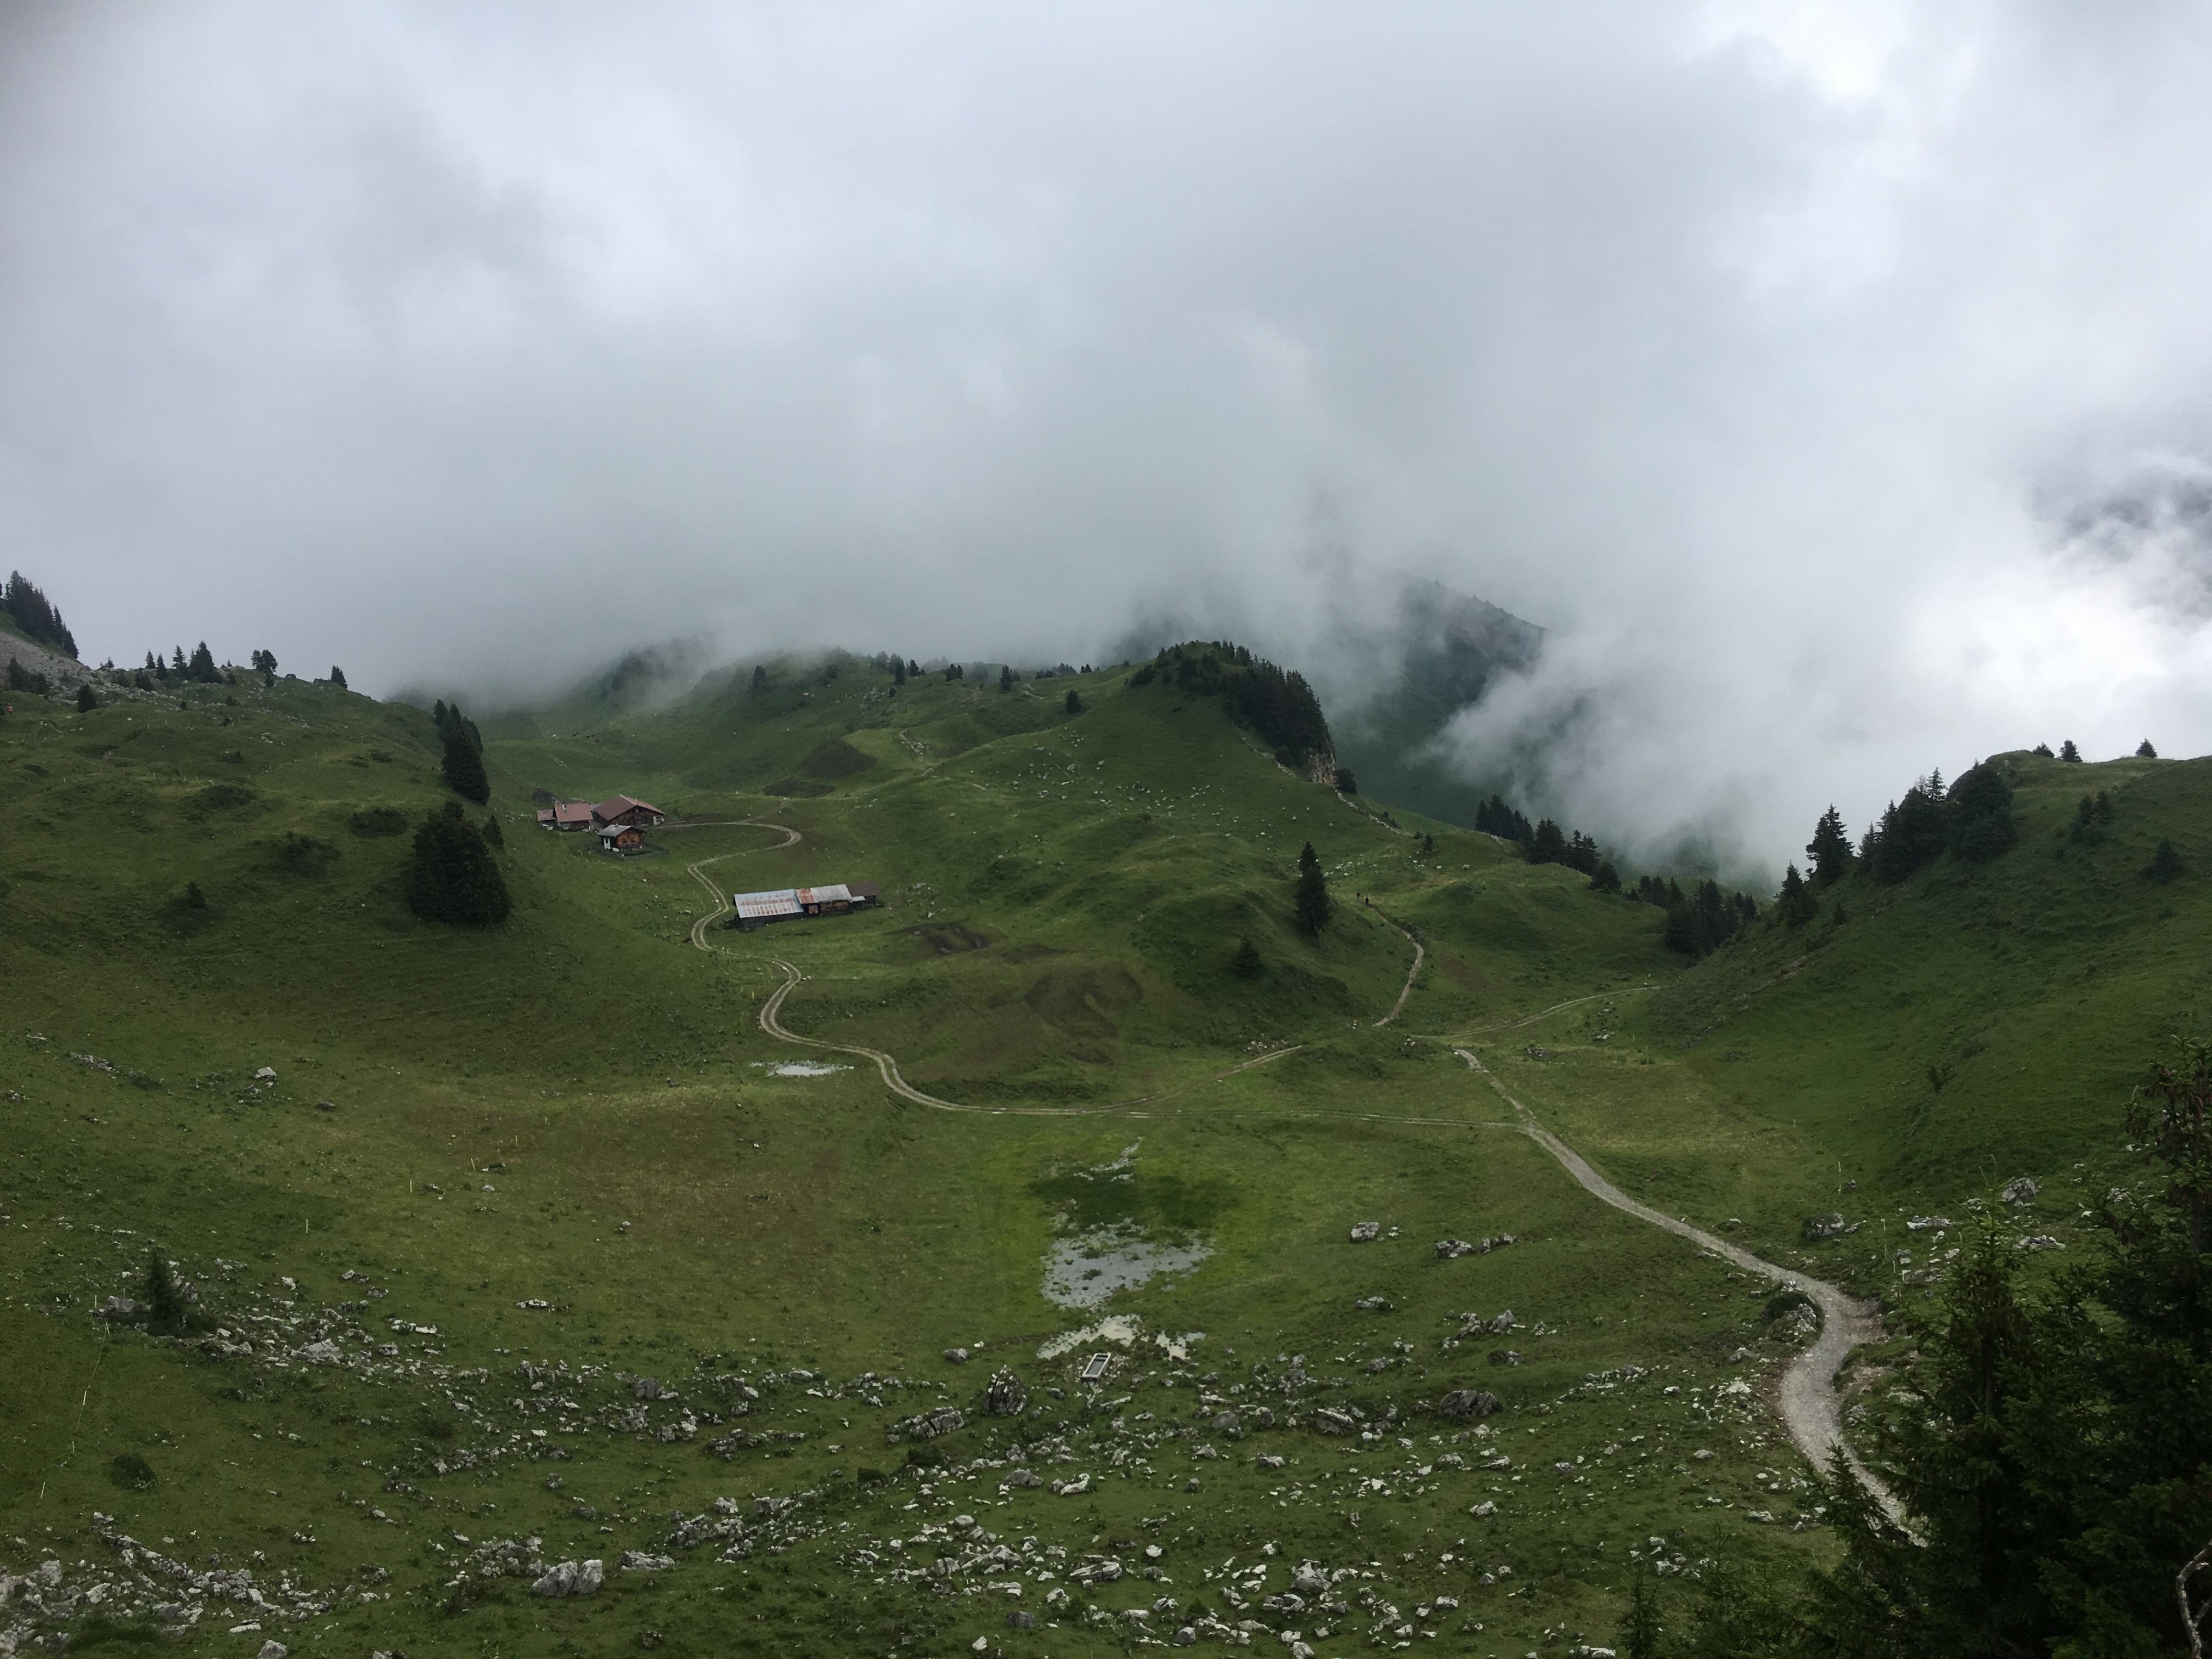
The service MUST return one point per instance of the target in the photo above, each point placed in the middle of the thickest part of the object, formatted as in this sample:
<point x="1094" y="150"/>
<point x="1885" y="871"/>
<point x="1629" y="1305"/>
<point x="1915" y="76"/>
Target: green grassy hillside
<point x="591" y="1252"/>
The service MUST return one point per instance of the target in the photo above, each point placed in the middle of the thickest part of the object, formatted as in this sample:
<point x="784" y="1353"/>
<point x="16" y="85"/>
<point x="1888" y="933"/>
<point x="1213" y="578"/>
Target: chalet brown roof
<point x="618" y="803"/>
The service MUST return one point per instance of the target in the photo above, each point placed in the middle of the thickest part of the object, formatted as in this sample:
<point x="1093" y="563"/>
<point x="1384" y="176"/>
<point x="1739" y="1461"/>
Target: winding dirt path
<point x="1807" y="1400"/>
<point x="1809" y="1407"/>
<point x="1420" y="955"/>
<point x="698" y="872"/>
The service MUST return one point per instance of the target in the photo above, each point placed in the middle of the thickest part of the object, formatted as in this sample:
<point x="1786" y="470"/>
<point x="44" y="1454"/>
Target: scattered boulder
<point x="1447" y="1249"/>
<point x="646" y="1387"/>
<point x="957" y="1355"/>
<point x="644" y="1561"/>
<point x="2039" y="1242"/>
<point x="1536" y="1052"/>
<point x="1376" y="1367"/>
<point x="1504" y="1355"/>
<point x="1484" y="1507"/>
<point x="1468" y="1402"/>
<point x="1226" y="1423"/>
<point x="265" y="1074"/>
<point x="1006" y="1397"/>
<point x="1259" y="1416"/>
<point x="1024" y="1478"/>
<point x="1373" y="1305"/>
<point x="1020" y="1621"/>
<point x="272" y="1650"/>
<point x="1925" y="1223"/>
<point x="1502" y="1323"/>
<point x="572" y="1578"/>
<point x="1185" y="1638"/>
<point x="1328" y="1421"/>
<point x="928" y="1426"/>
<point x="1366" y="1232"/>
<point x="2020" y="1190"/>
<point x="1831" y="1225"/>
<point x="325" y="1352"/>
<point x="1309" y="1577"/>
<point x="1739" y="1355"/>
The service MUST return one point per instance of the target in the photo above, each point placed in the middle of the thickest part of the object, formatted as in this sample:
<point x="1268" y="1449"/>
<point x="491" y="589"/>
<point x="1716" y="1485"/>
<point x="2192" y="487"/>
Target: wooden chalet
<point x="623" y="809"/>
<point x="566" y="815"/>
<point x="621" y="837"/>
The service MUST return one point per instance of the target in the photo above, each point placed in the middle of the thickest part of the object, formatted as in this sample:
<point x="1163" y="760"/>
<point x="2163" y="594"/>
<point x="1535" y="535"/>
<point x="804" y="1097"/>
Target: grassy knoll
<point x="589" y="1260"/>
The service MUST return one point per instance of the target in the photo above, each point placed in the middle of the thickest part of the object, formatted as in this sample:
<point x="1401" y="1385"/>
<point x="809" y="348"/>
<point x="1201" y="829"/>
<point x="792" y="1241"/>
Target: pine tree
<point x="35" y="615"/>
<point x="1006" y="676"/>
<point x="913" y="669"/>
<point x="1983" y="825"/>
<point x="1074" y="704"/>
<point x="2145" y="751"/>
<point x="265" y="663"/>
<point x="898" y="671"/>
<point x="493" y="834"/>
<point x="337" y="677"/>
<point x="87" y="699"/>
<point x="1640" y="1629"/>
<point x="2165" y="864"/>
<point x="1830" y="849"/>
<point x="1795" y="904"/>
<point x="1310" y="901"/>
<point x="202" y="667"/>
<point x="2042" y="749"/>
<point x="1346" y="783"/>
<point x="454" y="877"/>
<point x="1247" y="964"/>
<point x="177" y="663"/>
<point x="2067" y="751"/>
<point x="464" y="768"/>
<point x="164" y="1299"/>
<point x="1605" y="878"/>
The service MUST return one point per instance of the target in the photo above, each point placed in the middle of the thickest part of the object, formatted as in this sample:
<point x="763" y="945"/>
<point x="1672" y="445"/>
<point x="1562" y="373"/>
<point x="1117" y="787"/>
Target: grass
<point x="580" y="1109"/>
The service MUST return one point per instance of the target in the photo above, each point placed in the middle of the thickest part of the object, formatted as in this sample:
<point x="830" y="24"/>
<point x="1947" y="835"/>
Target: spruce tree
<point x="1006" y="676"/>
<point x="202" y="667"/>
<point x="1640" y="1629"/>
<point x="1346" y="783"/>
<point x="1310" y="901"/>
<point x="454" y="877"/>
<point x="264" y="662"/>
<point x="898" y="671"/>
<point x="87" y="699"/>
<point x="493" y="834"/>
<point x="1247" y="964"/>
<point x="2145" y="751"/>
<point x="2067" y="751"/>
<point x="337" y="677"/>
<point x="1795" y="901"/>
<point x="2042" y="749"/>
<point x="2165" y="864"/>
<point x="464" y="768"/>
<point x="164" y="1299"/>
<point x="1605" y="878"/>
<point x="1830" y="849"/>
<point x="1074" y="704"/>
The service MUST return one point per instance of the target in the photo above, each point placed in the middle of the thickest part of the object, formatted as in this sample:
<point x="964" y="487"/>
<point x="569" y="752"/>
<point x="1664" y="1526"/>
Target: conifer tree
<point x="1796" y="900"/>
<point x="164" y="1299"/>
<point x="2067" y="751"/>
<point x="465" y="768"/>
<point x="493" y="834"/>
<point x="454" y="877"/>
<point x="87" y="699"/>
<point x="1247" y="964"/>
<point x="1640" y="1629"/>
<point x="337" y="677"/>
<point x="1311" y="900"/>
<point x="2042" y="749"/>
<point x="1005" y="676"/>
<point x="1605" y="878"/>
<point x="202" y="667"/>
<point x="898" y="671"/>
<point x="35" y="615"/>
<point x="2145" y="751"/>
<point x="1074" y="704"/>
<point x="2165" y="864"/>
<point x="265" y="663"/>
<point x="1830" y="849"/>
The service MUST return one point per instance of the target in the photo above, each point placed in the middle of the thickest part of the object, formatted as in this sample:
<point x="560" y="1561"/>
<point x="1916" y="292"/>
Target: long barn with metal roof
<point x="787" y="903"/>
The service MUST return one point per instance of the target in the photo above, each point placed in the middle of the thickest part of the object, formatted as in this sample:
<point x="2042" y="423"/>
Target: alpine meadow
<point x="1030" y="1161"/>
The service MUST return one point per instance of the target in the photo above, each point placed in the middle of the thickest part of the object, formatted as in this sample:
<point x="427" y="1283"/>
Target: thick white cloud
<point x="1830" y="379"/>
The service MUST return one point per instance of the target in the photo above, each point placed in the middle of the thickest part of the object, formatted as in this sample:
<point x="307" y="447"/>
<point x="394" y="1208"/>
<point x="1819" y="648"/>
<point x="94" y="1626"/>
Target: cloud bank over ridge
<point x="1831" y="381"/>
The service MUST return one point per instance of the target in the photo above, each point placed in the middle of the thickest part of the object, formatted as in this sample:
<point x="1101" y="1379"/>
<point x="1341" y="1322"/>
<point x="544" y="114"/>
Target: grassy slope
<point x="583" y="1067"/>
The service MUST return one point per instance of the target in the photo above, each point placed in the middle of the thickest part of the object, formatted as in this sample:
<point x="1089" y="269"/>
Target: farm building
<point x="783" y="904"/>
<point x="566" y="815"/>
<point x="621" y="837"/>
<point x="623" y="809"/>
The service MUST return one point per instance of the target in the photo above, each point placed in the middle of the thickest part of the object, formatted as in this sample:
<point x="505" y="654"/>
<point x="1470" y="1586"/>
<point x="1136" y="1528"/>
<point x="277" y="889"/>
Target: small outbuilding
<point x="620" y="837"/>
<point x="566" y="815"/>
<point x="758" y="909"/>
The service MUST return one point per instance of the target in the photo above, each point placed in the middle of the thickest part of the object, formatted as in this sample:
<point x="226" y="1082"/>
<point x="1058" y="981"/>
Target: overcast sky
<point x="1831" y="380"/>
